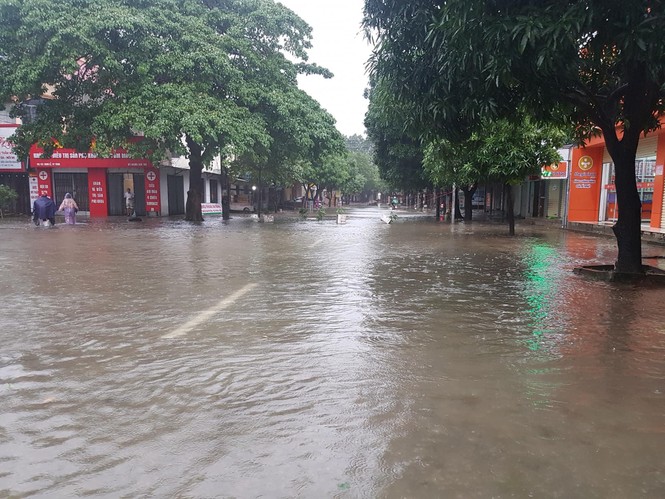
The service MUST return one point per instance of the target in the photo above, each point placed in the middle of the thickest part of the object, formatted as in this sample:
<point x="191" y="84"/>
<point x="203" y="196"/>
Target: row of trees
<point x="204" y="79"/>
<point x="464" y="89"/>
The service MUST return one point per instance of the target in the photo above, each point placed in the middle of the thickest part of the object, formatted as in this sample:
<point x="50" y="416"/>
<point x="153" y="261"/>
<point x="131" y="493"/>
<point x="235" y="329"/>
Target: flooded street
<point x="309" y="359"/>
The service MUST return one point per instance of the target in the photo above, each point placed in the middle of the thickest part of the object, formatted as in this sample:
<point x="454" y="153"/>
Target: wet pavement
<point x="310" y="359"/>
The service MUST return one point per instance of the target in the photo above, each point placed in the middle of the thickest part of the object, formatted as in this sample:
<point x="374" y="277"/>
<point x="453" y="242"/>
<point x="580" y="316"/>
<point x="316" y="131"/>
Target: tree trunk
<point x="468" y="201"/>
<point x="458" y="212"/>
<point x="226" y="194"/>
<point x="260" y="190"/>
<point x="628" y="229"/>
<point x="193" y="211"/>
<point x="640" y="97"/>
<point x="274" y="199"/>
<point x="437" y="197"/>
<point x="510" y="210"/>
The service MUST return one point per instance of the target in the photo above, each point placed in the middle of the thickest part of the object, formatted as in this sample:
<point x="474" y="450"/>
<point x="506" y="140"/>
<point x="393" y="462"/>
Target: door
<point x="139" y="194"/>
<point x="538" y="198"/>
<point x="74" y="183"/>
<point x="116" y="198"/>
<point x="176" y="195"/>
<point x="118" y="185"/>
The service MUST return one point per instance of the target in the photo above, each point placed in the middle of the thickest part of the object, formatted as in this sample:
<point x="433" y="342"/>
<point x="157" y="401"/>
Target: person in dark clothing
<point x="43" y="209"/>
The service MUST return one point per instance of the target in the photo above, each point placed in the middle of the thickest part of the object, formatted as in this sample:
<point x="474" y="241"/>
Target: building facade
<point x="12" y="172"/>
<point x="592" y="195"/>
<point x="98" y="183"/>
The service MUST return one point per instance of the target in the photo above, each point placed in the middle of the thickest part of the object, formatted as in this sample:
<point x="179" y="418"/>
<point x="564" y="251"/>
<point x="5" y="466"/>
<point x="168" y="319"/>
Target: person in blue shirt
<point x="44" y="210"/>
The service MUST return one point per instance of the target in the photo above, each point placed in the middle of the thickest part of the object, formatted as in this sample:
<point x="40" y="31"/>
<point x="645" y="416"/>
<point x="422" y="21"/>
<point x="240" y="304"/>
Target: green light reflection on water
<point x="539" y="290"/>
<point x="540" y="294"/>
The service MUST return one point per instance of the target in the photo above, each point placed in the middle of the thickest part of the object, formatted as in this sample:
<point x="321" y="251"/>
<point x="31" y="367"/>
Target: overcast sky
<point x="337" y="44"/>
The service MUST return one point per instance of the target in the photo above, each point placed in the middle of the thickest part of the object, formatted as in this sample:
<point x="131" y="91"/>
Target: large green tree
<point x="456" y="164"/>
<point x="358" y="143"/>
<point x="502" y="150"/>
<point x="301" y="132"/>
<point x="398" y="151"/>
<point x="365" y="179"/>
<point x="515" y="149"/>
<point x="325" y="173"/>
<point x="187" y="76"/>
<point x="598" y="63"/>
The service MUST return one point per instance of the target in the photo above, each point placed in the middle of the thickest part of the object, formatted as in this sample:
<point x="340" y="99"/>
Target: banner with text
<point x="8" y="160"/>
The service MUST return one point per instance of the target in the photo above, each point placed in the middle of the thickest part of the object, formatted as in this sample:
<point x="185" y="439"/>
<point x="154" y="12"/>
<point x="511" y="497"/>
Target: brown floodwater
<point x="310" y="359"/>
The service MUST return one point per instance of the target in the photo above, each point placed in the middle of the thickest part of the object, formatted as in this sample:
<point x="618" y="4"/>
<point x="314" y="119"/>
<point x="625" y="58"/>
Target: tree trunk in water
<point x="193" y="211"/>
<point x="510" y="210"/>
<point x="628" y="229"/>
<point x="640" y="97"/>
<point x="468" y="201"/>
<point x="458" y="212"/>
<point x="449" y="205"/>
<point x="226" y="194"/>
<point x="437" y="200"/>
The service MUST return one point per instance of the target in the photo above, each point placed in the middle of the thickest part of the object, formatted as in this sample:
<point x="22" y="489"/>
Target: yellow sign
<point x="585" y="163"/>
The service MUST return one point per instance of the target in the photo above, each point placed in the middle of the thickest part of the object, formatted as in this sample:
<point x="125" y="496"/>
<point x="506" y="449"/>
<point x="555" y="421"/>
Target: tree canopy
<point x="397" y="150"/>
<point x="303" y="137"/>
<point x="599" y="65"/>
<point x="200" y="78"/>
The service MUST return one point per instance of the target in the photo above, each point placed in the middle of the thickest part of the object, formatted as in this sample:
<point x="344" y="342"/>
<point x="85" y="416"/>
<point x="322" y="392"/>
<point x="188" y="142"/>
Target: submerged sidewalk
<point x="649" y="234"/>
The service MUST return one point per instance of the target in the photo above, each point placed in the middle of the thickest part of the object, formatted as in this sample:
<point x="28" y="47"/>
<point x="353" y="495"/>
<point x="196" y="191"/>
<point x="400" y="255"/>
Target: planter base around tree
<point x="651" y="275"/>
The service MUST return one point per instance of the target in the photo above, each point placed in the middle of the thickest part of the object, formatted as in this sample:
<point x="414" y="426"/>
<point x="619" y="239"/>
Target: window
<point x="645" y="172"/>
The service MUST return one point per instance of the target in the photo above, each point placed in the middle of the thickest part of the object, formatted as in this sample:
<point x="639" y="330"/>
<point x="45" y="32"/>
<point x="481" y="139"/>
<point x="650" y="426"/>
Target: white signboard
<point x="8" y="160"/>
<point x="211" y="208"/>
<point x="34" y="190"/>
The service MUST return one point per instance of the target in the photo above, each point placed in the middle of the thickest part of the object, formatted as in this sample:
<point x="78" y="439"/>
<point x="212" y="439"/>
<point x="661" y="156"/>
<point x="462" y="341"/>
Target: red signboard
<point x="69" y="158"/>
<point x="98" y="193"/>
<point x="152" y="203"/>
<point x="584" y="196"/>
<point x="44" y="183"/>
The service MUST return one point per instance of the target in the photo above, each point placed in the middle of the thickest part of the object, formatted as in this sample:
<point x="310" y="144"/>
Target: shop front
<point x="97" y="184"/>
<point x="593" y="191"/>
<point x="12" y="171"/>
<point x="554" y="181"/>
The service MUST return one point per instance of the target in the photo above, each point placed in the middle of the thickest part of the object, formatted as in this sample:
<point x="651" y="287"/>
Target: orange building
<point x="592" y="191"/>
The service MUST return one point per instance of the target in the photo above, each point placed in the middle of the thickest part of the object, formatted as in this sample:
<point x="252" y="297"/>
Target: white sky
<point x="337" y="44"/>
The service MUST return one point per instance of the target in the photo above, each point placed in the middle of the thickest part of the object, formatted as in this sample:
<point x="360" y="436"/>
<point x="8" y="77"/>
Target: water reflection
<point x="414" y="359"/>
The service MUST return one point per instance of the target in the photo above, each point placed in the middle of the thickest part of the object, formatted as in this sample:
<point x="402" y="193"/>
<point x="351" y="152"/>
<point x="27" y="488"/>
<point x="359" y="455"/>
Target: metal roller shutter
<point x="645" y="149"/>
